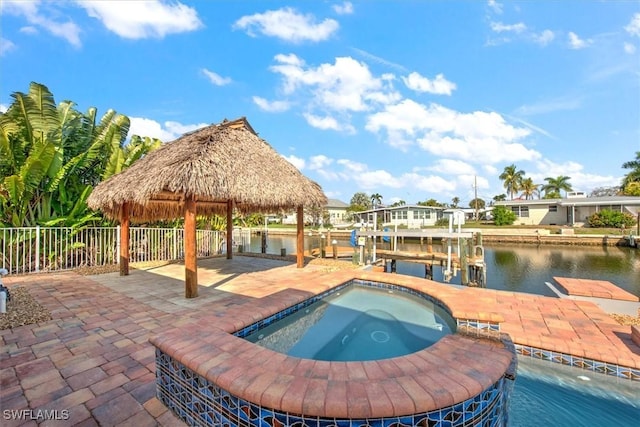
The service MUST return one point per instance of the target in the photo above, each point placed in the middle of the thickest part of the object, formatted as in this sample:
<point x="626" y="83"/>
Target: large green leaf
<point x="14" y="186"/>
<point x="44" y="116"/>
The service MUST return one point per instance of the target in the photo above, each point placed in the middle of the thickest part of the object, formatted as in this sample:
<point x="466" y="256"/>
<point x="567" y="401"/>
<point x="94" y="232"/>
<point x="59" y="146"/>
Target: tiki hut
<point x="212" y="170"/>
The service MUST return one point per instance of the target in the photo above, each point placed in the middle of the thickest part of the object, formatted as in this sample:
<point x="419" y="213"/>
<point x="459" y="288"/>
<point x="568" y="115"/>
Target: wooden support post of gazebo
<point x="229" y="229"/>
<point x="190" y="255"/>
<point x="124" y="239"/>
<point x="300" y="237"/>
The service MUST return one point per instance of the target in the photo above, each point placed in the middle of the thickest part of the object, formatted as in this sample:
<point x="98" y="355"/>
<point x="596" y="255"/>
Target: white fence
<point x="34" y="249"/>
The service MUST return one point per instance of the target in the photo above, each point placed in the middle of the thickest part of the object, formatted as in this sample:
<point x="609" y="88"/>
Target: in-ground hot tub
<point x="357" y="322"/>
<point x="208" y="374"/>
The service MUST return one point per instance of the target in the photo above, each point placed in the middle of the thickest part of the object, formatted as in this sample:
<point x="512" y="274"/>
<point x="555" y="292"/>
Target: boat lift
<point x="469" y="259"/>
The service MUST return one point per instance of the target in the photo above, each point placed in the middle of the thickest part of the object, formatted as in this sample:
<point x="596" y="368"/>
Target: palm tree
<point x="529" y="189"/>
<point x="512" y="179"/>
<point x="455" y="201"/>
<point x="554" y="186"/>
<point x="376" y="199"/>
<point x="634" y="174"/>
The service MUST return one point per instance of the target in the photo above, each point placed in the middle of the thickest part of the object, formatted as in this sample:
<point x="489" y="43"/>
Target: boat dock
<point x="466" y="255"/>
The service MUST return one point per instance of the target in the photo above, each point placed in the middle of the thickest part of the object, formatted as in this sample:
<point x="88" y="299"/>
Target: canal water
<point x="520" y="268"/>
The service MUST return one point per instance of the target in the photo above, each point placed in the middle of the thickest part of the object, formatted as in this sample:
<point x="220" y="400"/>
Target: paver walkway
<point x="594" y="288"/>
<point x="94" y="360"/>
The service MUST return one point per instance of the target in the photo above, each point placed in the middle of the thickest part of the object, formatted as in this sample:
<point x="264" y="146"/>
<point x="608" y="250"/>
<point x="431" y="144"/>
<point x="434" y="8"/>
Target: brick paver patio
<point x="94" y="359"/>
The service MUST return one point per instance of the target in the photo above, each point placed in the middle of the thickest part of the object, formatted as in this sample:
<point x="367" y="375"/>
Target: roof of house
<point x="335" y="203"/>
<point x="576" y="201"/>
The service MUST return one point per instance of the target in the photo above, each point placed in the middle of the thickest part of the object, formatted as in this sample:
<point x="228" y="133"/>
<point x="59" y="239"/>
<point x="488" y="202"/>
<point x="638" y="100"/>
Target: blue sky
<point x="410" y="99"/>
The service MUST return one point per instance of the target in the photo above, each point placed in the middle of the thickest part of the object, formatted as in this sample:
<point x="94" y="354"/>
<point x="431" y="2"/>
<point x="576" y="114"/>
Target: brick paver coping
<point x="454" y="369"/>
<point x="594" y="288"/>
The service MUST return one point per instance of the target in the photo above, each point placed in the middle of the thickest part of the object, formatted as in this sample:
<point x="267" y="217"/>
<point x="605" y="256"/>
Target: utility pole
<point x="475" y="200"/>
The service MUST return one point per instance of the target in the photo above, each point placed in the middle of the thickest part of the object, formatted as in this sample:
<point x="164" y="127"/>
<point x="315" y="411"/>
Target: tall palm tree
<point x="512" y="179"/>
<point x="528" y="188"/>
<point x="634" y="173"/>
<point x="554" y="186"/>
<point x="455" y="201"/>
<point x="376" y="199"/>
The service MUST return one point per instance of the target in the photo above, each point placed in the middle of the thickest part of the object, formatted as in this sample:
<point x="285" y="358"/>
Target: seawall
<point x="510" y="235"/>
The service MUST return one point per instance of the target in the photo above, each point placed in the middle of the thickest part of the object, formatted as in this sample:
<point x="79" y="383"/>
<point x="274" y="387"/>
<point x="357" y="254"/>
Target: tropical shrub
<point x="503" y="216"/>
<point x="51" y="157"/>
<point x="609" y="218"/>
<point x="442" y="222"/>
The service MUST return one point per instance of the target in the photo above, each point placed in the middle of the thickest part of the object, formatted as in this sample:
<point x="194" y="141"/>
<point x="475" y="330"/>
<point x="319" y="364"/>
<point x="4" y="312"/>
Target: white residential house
<point x="411" y="216"/>
<point x="336" y="209"/>
<point x="572" y="210"/>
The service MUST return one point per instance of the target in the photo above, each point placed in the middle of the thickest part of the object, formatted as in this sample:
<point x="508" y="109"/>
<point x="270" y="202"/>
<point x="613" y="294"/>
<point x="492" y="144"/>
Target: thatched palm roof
<point x="222" y="162"/>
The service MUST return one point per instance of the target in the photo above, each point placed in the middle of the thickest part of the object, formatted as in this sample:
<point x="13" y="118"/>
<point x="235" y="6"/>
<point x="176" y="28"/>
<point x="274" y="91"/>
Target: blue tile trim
<point x="199" y="402"/>
<point x="579" y="362"/>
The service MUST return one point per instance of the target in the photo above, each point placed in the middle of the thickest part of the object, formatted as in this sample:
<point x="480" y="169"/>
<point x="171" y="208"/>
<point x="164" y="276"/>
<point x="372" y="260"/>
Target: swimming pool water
<point x="549" y="394"/>
<point x="358" y="323"/>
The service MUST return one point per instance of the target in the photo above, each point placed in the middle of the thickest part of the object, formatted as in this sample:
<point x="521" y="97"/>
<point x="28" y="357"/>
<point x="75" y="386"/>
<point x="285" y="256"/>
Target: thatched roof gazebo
<point x="212" y="170"/>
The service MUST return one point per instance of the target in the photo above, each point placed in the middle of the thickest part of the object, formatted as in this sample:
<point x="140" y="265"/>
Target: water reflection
<point x="524" y="268"/>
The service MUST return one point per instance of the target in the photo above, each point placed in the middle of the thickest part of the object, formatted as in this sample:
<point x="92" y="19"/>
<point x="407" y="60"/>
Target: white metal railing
<point x="34" y="249"/>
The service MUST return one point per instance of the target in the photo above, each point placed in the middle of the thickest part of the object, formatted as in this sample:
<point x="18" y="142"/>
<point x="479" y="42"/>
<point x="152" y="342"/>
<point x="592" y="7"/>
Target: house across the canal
<point x="411" y="216"/>
<point x="572" y="210"/>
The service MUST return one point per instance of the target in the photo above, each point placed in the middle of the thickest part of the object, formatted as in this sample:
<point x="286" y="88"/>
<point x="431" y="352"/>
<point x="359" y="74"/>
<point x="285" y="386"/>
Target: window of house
<point x="423" y="214"/>
<point x="553" y="208"/>
<point x="521" y="211"/>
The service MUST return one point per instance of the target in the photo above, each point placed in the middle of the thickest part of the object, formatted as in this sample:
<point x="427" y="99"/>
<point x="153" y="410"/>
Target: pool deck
<point x="94" y="358"/>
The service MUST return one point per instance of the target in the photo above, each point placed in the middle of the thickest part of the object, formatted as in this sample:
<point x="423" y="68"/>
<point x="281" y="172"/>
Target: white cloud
<point x="379" y="178"/>
<point x="409" y="117"/>
<point x="495" y="6"/>
<point x="580" y="181"/>
<point x="168" y="132"/>
<point x="295" y="161"/>
<point x="575" y="42"/>
<point x="287" y="24"/>
<point x="428" y="183"/>
<point x="271" y="106"/>
<point x="629" y="48"/>
<point x="499" y="27"/>
<point x="451" y="167"/>
<point x="438" y="86"/>
<point x="543" y="38"/>
<point x="29" y="30"/>
<point x="331" y="92"/>
<point x="352" y="166"/>
<point x="472" y="137"/>
<point x="320" y="161"/>
<point x="324" y="123"/>
<point x="133" y="19"/>
<point x="215" y="78"/>
<point x="633" y="27"/>
<point x="6" y="46"/>
<point x="3" y="108"/>
<point x="345" y="8"/>
<point x="319" y="164"/>
<point x="45" y="16"/>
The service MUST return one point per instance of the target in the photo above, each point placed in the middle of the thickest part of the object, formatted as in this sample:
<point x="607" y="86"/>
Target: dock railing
<point x="42" y="249"/>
